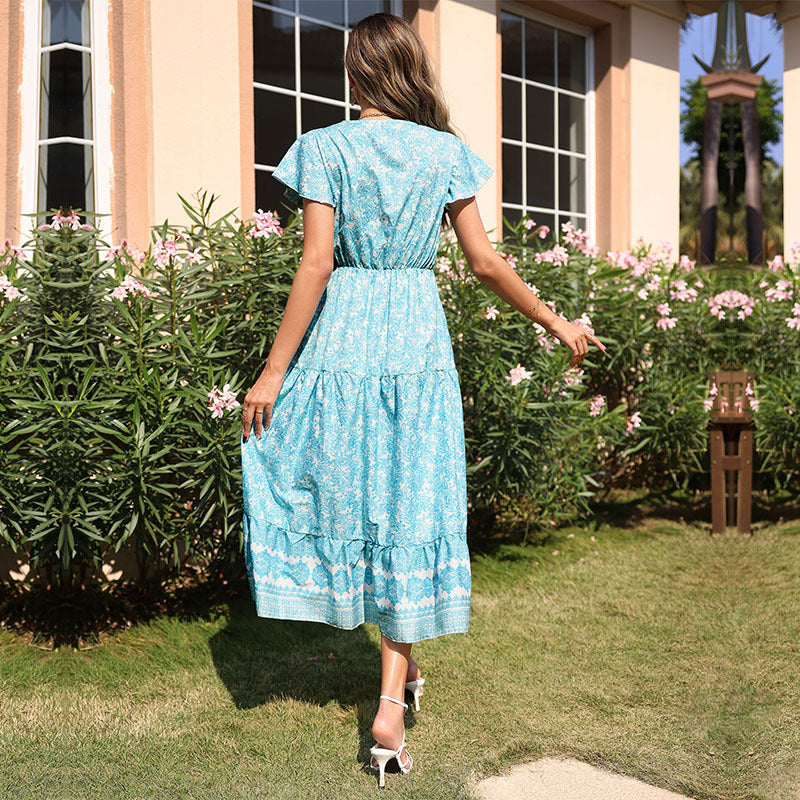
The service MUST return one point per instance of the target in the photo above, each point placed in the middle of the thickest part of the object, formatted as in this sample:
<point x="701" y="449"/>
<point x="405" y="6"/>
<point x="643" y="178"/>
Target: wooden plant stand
<point x="731" y="442"/>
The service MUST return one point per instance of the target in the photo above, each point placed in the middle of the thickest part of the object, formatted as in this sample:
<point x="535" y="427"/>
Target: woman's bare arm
<point x="497" y="274"/>
<point x="310" y="280"/>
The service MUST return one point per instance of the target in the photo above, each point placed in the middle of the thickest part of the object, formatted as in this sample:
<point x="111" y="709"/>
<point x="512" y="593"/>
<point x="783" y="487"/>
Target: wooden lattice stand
<point x="731" y="443"/>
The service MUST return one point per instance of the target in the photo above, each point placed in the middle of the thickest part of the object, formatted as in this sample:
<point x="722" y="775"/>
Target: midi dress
<point x="355" y="496"/>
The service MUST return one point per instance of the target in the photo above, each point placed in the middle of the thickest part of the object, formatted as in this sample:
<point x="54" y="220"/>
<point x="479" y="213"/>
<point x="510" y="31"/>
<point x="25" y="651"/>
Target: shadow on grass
<point x="261" y="661"/>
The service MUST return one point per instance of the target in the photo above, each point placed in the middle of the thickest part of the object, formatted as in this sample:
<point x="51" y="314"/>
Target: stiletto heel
<point x="383" y="754"/>
<point x="415" y="687"/>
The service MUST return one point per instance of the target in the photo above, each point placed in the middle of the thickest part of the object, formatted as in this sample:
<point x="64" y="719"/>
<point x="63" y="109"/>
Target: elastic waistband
<point x="361" y="266"/>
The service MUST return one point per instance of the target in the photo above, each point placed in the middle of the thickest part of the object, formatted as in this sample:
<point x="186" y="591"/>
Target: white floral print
<point x="355" y="502"/>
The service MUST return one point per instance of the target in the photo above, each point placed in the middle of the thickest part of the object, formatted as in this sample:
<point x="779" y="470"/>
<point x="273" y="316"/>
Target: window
<point x="299" y="80"/>
<point x="65" y="137"/>
<point x="545" y="86"/>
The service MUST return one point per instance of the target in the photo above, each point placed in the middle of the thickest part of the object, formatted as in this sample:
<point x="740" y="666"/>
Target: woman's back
<point x="389" y="181"/>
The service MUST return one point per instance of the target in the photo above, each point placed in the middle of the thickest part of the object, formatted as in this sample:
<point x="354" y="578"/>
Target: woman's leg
<point x="387" y="728"/>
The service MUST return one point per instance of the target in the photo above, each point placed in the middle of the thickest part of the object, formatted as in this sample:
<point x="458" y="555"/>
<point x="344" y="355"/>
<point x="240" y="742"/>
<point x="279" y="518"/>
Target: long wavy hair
<point x="390" y="66"/>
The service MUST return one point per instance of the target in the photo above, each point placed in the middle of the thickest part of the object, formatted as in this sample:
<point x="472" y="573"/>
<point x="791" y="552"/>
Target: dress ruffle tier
<point x="357" y="491"/>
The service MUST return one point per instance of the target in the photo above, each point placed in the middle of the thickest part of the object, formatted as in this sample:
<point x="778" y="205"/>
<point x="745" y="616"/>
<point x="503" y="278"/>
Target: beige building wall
<point x="196" y="104"/>
<point x="469" y="64"/>
<point x="653" y="164"/>
<point x="12" y="21"/>
<point x="791" y="132"/>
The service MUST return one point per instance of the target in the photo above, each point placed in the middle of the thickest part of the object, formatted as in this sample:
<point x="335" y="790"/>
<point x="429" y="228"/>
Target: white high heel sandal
<point x="415" y="687"/>
<point x="383" y="754"/>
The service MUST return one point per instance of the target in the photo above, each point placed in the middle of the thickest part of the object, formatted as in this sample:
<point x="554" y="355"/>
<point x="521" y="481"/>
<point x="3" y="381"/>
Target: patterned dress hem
<point x="313" y="578"/>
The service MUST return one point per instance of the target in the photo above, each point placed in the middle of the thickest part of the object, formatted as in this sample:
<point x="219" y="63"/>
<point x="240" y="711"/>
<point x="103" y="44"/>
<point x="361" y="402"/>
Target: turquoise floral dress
<point x="355" y="497"/>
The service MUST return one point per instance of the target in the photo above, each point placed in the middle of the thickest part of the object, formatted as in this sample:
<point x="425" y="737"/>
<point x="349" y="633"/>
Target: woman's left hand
<point x="258" y="402"/>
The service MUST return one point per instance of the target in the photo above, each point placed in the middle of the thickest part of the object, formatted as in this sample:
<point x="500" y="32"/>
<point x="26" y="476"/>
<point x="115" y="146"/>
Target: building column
<point x="468" y="51"/>
<point x="654" y="137"/>
<point x="196" y="105"/>
<point x="791" y="132"/>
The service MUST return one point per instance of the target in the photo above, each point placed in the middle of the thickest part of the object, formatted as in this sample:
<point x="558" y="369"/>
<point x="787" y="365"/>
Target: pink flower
<point x="776" y="264"/>
<point x="733" y="299"/>
<point x="557" y="255"/>
<point x="686" y="263"/>
<point x="164" y="249"/>
<point x="634" y="421"/>
<point x="220" y="401"/>
<point x="543" y="231"/>
<point x="518" y="374"/>
<point x="596" y="404"/>
<point x="62" y="220"/>
<point x="555" y="552"/>
<point x="131" y="286"/>
<point x="266" y="223"/>
<point x="528" y="223"/>
<point x="666" y="322"/>
<point x="490" y="312"/>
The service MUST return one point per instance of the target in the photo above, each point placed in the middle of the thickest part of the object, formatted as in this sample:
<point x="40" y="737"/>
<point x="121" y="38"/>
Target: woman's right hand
<point x="259" y="401"/>
<point x="576" y="338"/>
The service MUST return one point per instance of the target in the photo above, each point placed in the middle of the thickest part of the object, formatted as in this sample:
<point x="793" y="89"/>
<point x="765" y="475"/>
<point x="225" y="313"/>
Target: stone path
<point x="567" y="779"/>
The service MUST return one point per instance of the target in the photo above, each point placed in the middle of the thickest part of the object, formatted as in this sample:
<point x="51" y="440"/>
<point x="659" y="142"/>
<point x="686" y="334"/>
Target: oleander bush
<point x="121" y="372"/>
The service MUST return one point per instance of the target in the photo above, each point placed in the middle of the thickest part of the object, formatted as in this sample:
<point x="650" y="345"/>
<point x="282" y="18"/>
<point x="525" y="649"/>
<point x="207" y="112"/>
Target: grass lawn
<point x="669" y="655"/>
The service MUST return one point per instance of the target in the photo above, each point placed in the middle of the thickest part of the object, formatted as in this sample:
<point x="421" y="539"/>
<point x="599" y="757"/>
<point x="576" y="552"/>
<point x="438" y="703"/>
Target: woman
<point x="355" y="494"/>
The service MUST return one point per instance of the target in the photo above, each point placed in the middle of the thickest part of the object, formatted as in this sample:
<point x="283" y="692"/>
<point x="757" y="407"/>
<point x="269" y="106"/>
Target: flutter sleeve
<point x="307" y="173"/>
<point x="469" y="173"/>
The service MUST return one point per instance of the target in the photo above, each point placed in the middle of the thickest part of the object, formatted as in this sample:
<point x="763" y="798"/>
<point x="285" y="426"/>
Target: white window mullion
<point x="556" y="141"/>
<point x="28" y="170"/>
<point x="103" y="158"/>
<point x="297" y="86"/>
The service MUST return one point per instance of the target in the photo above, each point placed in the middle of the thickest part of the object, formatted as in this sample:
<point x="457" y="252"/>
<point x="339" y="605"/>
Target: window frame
<point x="298" y="94"/>
<point x="100" y="99"/>
<point x="589" y="122"/>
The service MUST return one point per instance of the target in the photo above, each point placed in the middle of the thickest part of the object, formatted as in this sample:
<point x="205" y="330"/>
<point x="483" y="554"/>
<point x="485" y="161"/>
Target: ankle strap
<point x="400" y="702"/>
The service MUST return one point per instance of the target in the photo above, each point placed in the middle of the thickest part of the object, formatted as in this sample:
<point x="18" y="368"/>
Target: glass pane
<point x="539" y="117"/>
<point x="65" y="21"/>
<point x="319" y="115"/>
<point x="358" y="9"/>
<point x="512" y="109"/>
<point x="327" y="10"/>
<point x="539" y="52"/>
<point x="269" y="194"/>
<point x="571" y="128"/>
<point x="65" y="177"/>
<point x="578" y="220"/>
<point x="285" y="4"/>
<point x="275" y="126"/>
<point x="273" y="48"/>
<point x="572" y="184"/>
<point x="571" y="61"/>
<point x="321" y="60"/>
<point x="66" y="98"/>
<point x="540" y="178"/>
<point x="512" y="174"/>
<point x="511" y="37"/>
<point x="513" y="216"/>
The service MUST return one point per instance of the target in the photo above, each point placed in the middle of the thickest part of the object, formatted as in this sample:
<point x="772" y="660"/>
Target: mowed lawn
<point x="666" y="654"/>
